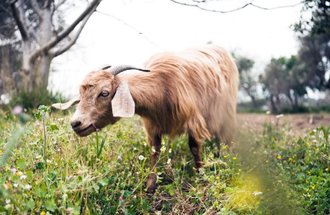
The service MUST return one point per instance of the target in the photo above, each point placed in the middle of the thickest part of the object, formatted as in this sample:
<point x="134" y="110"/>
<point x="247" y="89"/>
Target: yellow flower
<point x="279" y="157"/>
<point x="43" y="213"/>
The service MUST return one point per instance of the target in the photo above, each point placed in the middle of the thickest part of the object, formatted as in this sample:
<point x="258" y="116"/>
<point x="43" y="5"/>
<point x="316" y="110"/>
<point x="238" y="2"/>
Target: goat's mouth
<point x="82" y="132"/>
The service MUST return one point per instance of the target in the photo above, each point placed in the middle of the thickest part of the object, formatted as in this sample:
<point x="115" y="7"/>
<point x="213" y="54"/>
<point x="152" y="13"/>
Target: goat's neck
<point x="147" y="92"/>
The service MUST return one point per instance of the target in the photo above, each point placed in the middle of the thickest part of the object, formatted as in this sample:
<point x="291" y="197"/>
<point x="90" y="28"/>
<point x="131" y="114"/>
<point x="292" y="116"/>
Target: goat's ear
<point x="66" y="105"/>
<point x="122" y="103"/>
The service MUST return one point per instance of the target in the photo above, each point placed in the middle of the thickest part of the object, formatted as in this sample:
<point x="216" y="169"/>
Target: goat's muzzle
<point x="82" y="131"/>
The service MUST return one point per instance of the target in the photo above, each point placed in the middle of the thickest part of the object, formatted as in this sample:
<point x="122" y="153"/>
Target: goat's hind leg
<point x="155" y="143"/>
<point x="196" y="151"/>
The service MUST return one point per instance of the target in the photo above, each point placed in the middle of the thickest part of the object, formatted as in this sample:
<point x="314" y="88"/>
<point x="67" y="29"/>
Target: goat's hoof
<point x="151" y="183"/>
<point x="198" y="165"/>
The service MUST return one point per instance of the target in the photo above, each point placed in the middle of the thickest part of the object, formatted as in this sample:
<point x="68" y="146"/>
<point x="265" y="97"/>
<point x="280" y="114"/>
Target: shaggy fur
<point x="193" y="91"/>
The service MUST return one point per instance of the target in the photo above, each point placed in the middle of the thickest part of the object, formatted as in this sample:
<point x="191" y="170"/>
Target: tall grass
<point x="54" y="171"/>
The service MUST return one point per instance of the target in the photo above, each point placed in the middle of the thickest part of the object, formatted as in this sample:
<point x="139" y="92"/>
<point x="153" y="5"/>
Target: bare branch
<point x="198" y="5"/>
<point x="74" y="39"/>
<point x="5" y="9"/>
<point x="46" y="4"/>
<point x="36" y="7"/>
<point x="19" y="19"/>
<point x="90" y="9"/>
<point x="59" y="4"/>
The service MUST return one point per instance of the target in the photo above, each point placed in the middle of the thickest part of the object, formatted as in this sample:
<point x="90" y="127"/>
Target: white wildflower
<point x="27" y="187"/>
<point x="13" y="170"/>
<point x="32" y="143"/>
<point x="141" y="157"/>
<point x="257" y="193"/>
<point x="169" y="161"/>
<point x="7" y="201"/>
<point x="17" y="110"/>
<point x="15" y="185"/>
<point x="163" y="149"/>
<point x="279" y="116"/>
<point x="8" y="206"/>
<point x="23" y="177"/>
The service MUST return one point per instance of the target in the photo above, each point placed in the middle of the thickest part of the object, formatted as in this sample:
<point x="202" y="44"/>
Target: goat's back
<point x="201" y="87"/>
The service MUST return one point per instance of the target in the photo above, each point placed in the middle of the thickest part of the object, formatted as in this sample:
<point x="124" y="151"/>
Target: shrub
<point x="31" y="100"/>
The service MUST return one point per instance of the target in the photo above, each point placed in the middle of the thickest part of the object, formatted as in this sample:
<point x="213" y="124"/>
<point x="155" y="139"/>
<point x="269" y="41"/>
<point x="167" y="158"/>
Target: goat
<point x="193" y="92"/>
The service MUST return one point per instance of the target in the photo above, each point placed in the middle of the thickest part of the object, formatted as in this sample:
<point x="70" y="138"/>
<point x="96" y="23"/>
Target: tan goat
<point x="191" y="92"/>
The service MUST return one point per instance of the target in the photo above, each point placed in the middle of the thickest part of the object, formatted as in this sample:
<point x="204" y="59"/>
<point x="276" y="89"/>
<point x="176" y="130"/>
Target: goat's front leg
<point x="155" y="143"/>
<point x="196" y="151"/>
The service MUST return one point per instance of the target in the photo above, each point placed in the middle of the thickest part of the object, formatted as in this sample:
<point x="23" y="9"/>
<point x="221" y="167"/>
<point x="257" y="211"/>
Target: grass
<point x="46" y="169"/>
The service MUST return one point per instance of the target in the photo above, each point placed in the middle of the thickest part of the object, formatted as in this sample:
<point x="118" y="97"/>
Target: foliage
<point x="260" y="106"/>
<point x="314" y="30"/>
<point x="284" y="77"/>
<point x="314" y="17"/>
<point x="314" y="52"/>
<point x="32" y="100"/>
<point x="248" y="81"/>
<point x="269" y="173"/>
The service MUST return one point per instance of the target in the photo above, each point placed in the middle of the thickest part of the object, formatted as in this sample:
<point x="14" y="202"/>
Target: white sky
<point x="164" y="25"/>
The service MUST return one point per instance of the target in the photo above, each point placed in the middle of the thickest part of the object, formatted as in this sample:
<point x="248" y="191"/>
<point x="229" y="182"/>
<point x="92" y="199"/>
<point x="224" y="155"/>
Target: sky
<point x="131" y="31"/>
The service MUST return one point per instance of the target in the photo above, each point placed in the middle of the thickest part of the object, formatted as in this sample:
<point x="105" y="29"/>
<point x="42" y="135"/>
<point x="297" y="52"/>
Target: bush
<point x="31" y="100"/>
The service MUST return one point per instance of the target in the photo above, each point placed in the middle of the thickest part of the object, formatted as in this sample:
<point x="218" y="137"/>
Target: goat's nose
<point x="75" y="124"/>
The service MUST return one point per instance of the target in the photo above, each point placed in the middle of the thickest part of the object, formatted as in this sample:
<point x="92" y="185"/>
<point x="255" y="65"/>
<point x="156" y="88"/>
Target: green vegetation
<point x="48" y="169"/>
<point x="35" y="98"/>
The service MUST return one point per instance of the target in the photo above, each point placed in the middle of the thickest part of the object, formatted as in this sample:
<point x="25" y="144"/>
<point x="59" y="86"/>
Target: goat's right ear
<point x="66" y="105"/>
<point x="122" y="103"/>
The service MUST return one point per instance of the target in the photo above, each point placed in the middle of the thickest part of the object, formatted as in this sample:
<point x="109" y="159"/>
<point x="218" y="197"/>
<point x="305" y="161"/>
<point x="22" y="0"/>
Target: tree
<point x="39" y="29"/>
<point x="248" y="82"/>
<point x="314" y="36"/>
<point x="314" y="51"/>
<point x="285" y="78"/>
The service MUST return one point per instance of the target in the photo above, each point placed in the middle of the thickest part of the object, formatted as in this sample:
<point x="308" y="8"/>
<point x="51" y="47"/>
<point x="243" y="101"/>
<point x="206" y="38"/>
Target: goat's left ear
<point x="66" y="105"/>
<point x="122" y="103"/>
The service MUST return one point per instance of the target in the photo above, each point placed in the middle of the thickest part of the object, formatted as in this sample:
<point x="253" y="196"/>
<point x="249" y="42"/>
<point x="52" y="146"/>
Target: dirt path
<point x="297" y="123"/>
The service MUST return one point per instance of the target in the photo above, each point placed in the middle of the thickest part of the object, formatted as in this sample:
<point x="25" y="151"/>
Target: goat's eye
<point x="104" y="93"/>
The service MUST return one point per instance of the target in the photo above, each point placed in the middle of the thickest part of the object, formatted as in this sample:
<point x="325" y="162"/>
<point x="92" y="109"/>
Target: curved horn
<point x="105" y="67"/>
<point x="115" y="70"/>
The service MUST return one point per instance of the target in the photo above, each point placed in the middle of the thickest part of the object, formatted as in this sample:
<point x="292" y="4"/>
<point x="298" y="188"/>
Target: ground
<point x="298" y="124"/>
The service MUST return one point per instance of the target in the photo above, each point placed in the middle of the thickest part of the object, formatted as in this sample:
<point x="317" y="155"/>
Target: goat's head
<point x="103" y="100"/>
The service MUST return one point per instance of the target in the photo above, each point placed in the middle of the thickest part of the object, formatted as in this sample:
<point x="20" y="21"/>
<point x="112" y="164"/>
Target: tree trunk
<point x="40" y="42"/>
<point x="25" y="74"/>
<point x="288" y="95"/>
<point x="273" y="104"/>
<point x="41" y="69"/>
<point x="35" y="71"/>
<point x="254" y="101"/>
<point x="35" y="75"/>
